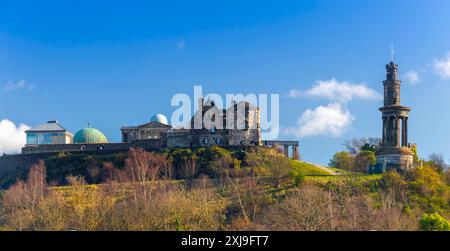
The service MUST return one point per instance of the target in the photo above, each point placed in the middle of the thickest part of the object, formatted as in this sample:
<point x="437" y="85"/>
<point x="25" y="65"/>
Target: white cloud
<point x="412" y="77"/>
<point x="330" y="120"/>
<point x="15" y="85"/>
<point x="294" y="93"/>
<point x="442" y="66"/>
<point x="12" y="138"/>
<point x="181" y="45"/>
<point x="338" y="91"/>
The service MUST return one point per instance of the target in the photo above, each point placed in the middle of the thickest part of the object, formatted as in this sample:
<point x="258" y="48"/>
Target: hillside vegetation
<point x="214" y="189"/>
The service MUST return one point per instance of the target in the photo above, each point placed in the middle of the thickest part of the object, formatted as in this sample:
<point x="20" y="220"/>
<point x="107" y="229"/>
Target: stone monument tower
<point x="394" y="151"/>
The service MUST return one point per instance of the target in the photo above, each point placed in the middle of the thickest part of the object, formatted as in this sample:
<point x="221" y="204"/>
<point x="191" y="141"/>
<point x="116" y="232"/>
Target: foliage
<point x="361" y="144"/>
<point x="298" y="179"/>
<point x="363" y="160"/>
<point x="416" y="156"/>
<point x="80" y="164"/>
<point x="260" y="190"/>
<point x="434" y="222"/>
<point x="342" y="160"/>
<point x="368" y="147"/>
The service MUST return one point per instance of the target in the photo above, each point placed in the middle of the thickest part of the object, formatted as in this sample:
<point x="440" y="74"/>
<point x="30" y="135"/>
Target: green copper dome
<point x="89" y="135"/>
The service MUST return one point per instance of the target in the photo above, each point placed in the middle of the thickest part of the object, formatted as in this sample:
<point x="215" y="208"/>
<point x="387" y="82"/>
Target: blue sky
<point x="116" y="63"/>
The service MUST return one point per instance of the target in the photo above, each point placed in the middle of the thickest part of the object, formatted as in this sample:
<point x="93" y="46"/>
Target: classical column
<point x="397" y="131"/>
<point x="391" y="131"/>
<point x="286" y="150"/>
<point x="295" y="152"/>
<point x="384" y="130"/>
<point x="405" y="132"/>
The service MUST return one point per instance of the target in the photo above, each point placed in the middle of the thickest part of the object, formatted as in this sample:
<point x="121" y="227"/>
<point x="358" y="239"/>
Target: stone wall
<point x="398" y="162"/>
<point x="150" y="144"/>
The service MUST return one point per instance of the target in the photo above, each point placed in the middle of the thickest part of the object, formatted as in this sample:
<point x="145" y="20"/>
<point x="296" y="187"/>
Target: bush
<point x="434" y="222"/>
<point x="298" y="179"/>
<point x="342" y="160"/>
<point x="363" y="160"/>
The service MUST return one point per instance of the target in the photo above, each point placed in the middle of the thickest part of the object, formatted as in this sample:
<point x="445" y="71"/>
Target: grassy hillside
<point x="307" y="169"/>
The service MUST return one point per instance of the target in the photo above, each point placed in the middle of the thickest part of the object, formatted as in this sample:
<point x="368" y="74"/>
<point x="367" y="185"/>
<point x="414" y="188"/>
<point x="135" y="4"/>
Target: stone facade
<point x="210" y="126"/>
<point x="394" y="151"/>
<point x="239" y="125"/>
<point x="152" y="130"/>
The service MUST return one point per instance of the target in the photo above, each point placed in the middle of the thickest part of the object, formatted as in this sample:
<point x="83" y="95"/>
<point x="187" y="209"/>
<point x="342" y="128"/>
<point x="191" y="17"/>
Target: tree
<point x="22" y="200"/>
<point x="207" y="161"/>
<point x="363" y="160"/>
<point x="416" y="156"/>
<point x="368" y="147"/>
<point x="271" y="163"/>
<point x="356" y="145"/>
<point x="142" y="166"/>
<point x="434" y="222"/>
<point x="342" y="160"/>
<point x="437" y="162"/>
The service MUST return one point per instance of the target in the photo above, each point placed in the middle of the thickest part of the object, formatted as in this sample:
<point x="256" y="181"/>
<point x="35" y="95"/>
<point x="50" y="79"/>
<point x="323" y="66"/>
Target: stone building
<point x="210" y="126"/>
<point x="238" y="126"/>
<point x="394" y="151"/>
<point x="152" y="130"/>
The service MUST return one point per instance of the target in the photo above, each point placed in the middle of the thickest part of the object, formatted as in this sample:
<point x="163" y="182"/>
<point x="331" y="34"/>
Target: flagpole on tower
<point x="392" y="52"/>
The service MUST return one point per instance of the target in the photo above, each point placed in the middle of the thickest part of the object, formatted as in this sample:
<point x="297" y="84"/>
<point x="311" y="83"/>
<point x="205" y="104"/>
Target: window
<point x="31" y="138"/>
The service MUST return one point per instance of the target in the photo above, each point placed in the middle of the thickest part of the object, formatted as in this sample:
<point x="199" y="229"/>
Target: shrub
<point x="342" y="160"/>
<point x="298" y="179"/>
<point x="434" y="222"/>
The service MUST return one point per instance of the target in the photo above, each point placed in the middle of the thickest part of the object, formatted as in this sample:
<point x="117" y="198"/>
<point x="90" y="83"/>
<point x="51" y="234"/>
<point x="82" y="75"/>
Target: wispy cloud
<point x="442" y="66"/>
<point x="338" y="91"/>
<point x="12" y="137"/>
<point x="412" y="77"/>
<point x="330" y="120"/>
<point x="18" y="85"/>
<point x="294" y="93"/>
<point x="181" y="45"/>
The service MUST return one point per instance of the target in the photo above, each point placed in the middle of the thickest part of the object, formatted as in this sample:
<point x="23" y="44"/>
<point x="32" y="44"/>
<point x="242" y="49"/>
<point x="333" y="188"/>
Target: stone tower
<point x="394" y="151"/>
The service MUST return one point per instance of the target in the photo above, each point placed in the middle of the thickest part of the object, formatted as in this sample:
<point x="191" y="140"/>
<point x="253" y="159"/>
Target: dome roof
<point x="159" y="118"/>
<point x="89" y="135"/>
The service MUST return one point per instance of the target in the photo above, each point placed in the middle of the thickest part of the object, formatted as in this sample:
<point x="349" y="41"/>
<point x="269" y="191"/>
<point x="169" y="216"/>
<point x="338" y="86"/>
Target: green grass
<point x="307" y="169"/>
<point x="364" y="179"/>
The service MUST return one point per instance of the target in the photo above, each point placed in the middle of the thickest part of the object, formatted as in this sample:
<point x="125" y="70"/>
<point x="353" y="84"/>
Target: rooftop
<point x="50" y="126"/>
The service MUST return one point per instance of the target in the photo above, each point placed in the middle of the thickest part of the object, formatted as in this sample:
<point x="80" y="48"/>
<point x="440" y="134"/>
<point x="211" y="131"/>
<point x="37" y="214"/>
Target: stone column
<point x="286" y="150"/>
<point x="391" y="131"/>
<point x="295" y="152"/>
<point x="405" y="132"/>
<point x="397" y="131"/>
<point x="384" y="130"/>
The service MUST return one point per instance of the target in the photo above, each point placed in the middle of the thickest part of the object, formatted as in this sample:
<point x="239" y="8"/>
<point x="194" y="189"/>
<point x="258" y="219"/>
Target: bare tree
<point x="355" y="145"/>
<point x="437" y="161"/>
<point x="142" y="166"/>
